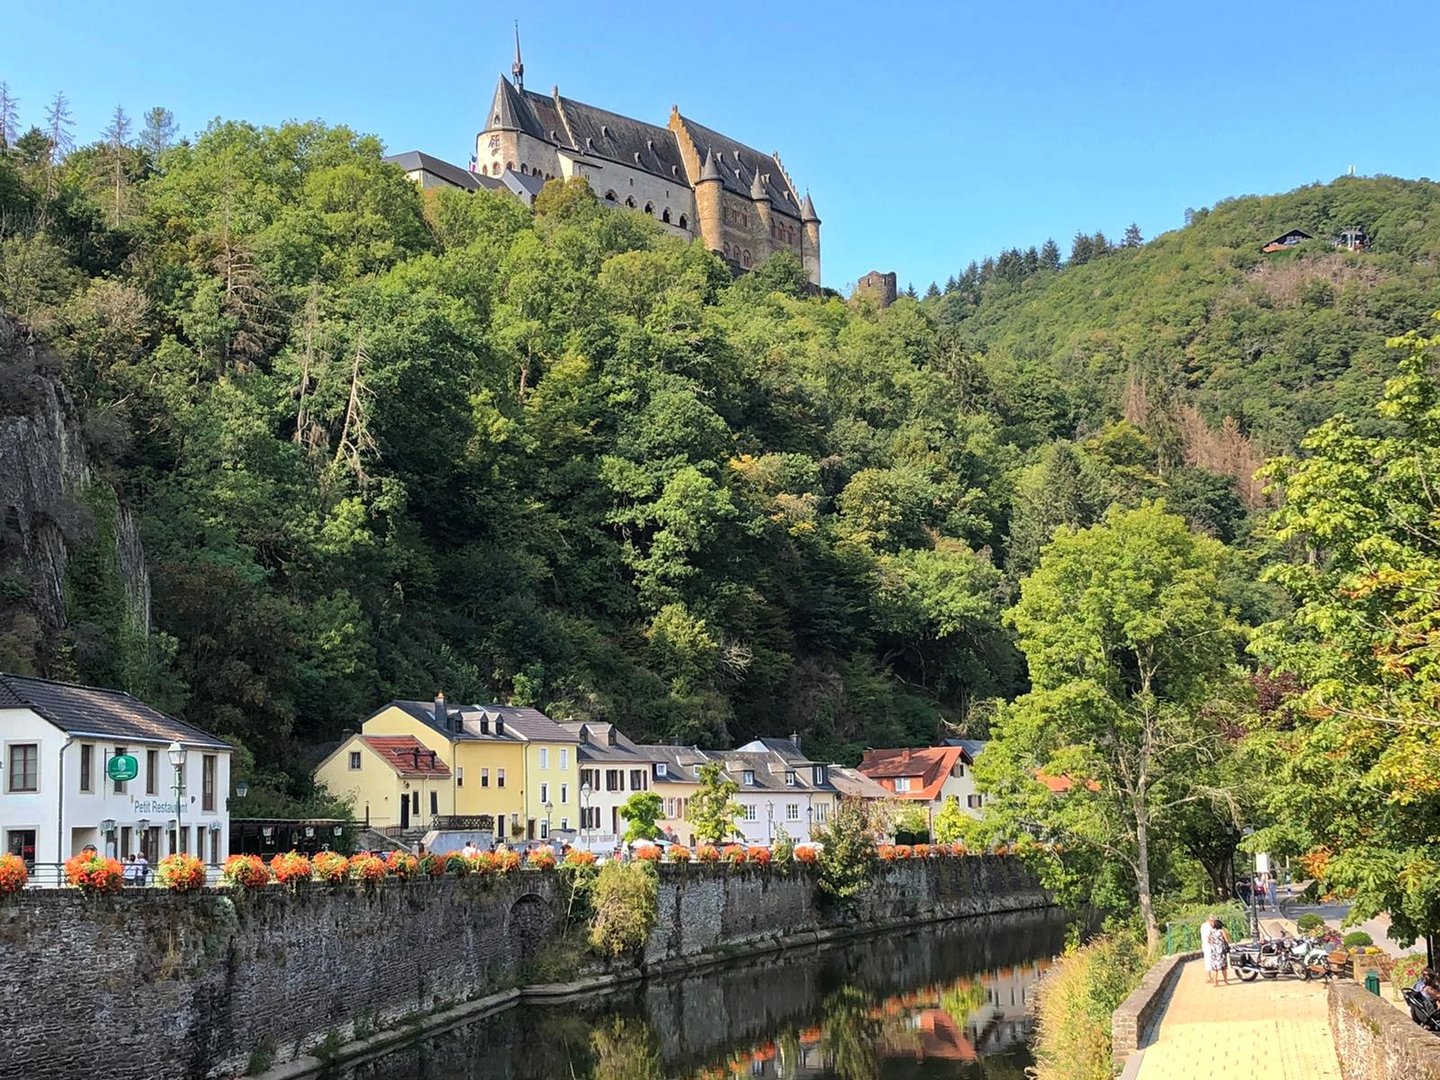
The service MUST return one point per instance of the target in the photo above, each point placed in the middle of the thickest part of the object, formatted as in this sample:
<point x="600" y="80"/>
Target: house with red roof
<point x="932" y="775"/>
<point x="394" y="779"/>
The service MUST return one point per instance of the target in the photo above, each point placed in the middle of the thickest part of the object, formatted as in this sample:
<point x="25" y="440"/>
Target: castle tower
<point x="709" y="190"/>
<point x="810" y="243"/>
<point x="761" y="198"/>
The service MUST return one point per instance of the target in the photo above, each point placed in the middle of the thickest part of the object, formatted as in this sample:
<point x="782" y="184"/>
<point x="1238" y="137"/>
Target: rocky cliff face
<point x="48" y="492"/>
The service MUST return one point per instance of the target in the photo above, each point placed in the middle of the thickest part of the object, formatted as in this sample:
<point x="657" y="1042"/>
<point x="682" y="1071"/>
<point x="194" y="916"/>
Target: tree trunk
<point x="1142" y="877"/>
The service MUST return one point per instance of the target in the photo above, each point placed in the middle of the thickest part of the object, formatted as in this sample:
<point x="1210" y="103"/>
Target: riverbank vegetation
<point x="1074" y="1003"/>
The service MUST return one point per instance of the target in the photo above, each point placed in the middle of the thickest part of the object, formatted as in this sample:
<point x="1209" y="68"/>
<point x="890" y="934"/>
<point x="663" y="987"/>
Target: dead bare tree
<point x="356" y="443"/>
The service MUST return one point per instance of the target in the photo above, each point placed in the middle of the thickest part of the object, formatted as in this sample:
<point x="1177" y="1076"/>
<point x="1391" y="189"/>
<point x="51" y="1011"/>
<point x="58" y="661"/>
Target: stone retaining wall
<point x="1130" y="1022"/>
<point x="1376" y="1041"/>
<point x="159" y="985"/>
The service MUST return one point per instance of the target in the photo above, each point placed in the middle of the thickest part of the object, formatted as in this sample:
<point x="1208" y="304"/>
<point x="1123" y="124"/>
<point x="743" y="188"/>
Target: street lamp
<point x="769" y="823"/>
<point x="585" y="818"/>
<point x="176" y="753"/>
<point x="549" y="809"/>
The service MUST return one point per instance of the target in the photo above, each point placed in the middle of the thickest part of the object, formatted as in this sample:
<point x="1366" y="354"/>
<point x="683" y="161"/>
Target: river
<point x="941" y="1002"/>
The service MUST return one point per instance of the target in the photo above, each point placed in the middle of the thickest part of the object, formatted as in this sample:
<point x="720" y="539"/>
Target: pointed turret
<point x="509" y="112"/>
<point x="757" y="189"/>
<point x="807" y="210"/>
<point x="518" y="68"/>
<point x="710" y="171"/>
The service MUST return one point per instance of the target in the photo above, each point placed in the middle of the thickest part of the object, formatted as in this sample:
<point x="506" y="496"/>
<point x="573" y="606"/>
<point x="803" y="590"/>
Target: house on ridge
<point x="1286" y="240"/>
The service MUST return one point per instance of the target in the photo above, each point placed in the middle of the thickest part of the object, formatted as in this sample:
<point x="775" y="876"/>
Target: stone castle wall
<point x="161" y="985"/>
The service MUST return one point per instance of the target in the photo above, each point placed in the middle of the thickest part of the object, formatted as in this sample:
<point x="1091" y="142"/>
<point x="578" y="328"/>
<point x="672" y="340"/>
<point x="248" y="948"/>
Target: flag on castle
<point x="474" y="161"/>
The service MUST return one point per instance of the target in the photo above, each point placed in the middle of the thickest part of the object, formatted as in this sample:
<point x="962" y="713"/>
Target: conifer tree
<point x="158" y="135"/>
<point x="1050" y="255"/>
<point x="9" y="116"/>
<point x="1082" y="249"/>
<point x="1132" y="239"/>
<point x="932" y="292"/>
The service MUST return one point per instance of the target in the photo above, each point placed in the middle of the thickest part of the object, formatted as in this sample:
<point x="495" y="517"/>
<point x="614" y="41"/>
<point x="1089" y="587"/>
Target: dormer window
<point x="484" y="725"/>
<point x="902" y="784"/>
<point x="660" y="769"/>
<point x="749" y="776"/>
<point x="819" y="775"/>
<point x="790" y="778"/>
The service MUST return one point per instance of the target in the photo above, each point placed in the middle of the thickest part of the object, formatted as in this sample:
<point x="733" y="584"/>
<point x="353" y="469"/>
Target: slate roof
<point x="510" y="112"/>
<point x="531" y="724"/>
<point x="424" y="711"/>
<point x="770" y="769"/>
<point x="854" y="784"/>
<point x="419" y="161"/>
<point x="739" y="164"/>
<point x="784" y="748"/>
<point x="407" y="755"/>
<point x="595" y="744"/>
<point x="973" y="747"/>
<point x="680" y="761"/>
<point x="92" y="711"/>
<point x="601" y="133"/>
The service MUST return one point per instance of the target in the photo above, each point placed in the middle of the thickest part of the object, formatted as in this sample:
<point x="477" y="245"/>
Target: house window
<point x="822" y="811"/>
<point x="207" y="783"/>
<point x="544" y="830"/>
<point x="544" y="793"/>
<point x="749" y="777"/>
<point x="564" y="794"/>
<point x="119" y="784"/>
<point x="564" y="758"/>
<point x="499" y="777"/>
<point x="24" y="767"/>
<point x="792" y="811"/>
<point x="959" y="769"/>
<point x="434" y="803"/>
<point x="152" y="772"/>
<point x="459" y="776"/>
<point x="354" y="760"/>
<point x="87" y="762"/>
<point x="751" y="812"/>
<point x="564" y="824"/>
<point x="973" y="801"/>
<point x="819" y="775"/>
<point x="660" y="769"/>
<point x="614" y="780"/>
<point x="544" y="757"/>
<point x="637" y="779"/>
<point x="902" y="784"/>
<point x="415" y="802"/>
<point x="790" y="778"/>
<point x="484" y="777"/>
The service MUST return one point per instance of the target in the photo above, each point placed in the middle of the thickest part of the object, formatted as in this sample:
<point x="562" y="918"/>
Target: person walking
<point x="1272" y="889"/>
<point x="1215" y="945"/>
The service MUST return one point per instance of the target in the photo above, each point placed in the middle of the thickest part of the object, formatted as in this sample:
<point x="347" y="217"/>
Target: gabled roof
<point x="739" y="164"/>
<point x="530" y="724"/>
<point x="973" y="747"/>
<point x="770" y="769"/>
<point x="784" y="748"/>
<point x="419" y="161"/>
<point x="930" y="765"/>
<point x="602" y="743"/>
<point x="680" y="761"/>
<point x="92" y="711"/>
<point x="407" y="755"/>
<point x="854" y="784"/>
<point x="600" y="133"/>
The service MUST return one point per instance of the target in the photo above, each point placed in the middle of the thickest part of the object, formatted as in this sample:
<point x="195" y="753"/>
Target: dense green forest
<point x="384" y="444"/>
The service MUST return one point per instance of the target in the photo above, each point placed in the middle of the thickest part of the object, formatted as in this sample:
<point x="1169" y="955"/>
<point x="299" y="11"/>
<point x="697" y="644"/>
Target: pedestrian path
<point x="1278" y="1029"/>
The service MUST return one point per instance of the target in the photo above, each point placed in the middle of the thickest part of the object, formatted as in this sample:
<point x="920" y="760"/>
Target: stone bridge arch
<point x="529" y="924"/>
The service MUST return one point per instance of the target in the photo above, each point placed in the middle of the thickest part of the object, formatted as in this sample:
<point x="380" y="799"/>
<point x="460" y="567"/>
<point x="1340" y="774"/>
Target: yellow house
<point x="394" y="781"/>
<point x="506" y="764"/>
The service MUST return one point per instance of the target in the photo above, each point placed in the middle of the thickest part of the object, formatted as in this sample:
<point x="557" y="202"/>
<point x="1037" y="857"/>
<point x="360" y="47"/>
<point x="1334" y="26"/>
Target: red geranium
<point x="13" y="874"/>
<point x="330" y="866"/>
<point x="290" y="867"/>
<point x="95" y="873"/>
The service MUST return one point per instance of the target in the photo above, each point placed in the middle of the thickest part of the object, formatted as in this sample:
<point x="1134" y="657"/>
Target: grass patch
<point x="1076" y="999"/>
<point x="261" y="1058"/>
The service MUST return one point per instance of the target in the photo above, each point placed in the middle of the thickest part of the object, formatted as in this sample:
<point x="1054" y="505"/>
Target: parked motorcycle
<point x="1269" y="957"/>
<point x="1314" y="956"/>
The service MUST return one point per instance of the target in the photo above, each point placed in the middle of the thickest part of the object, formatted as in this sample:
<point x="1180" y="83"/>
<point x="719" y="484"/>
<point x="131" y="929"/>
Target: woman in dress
<point x="1215" y="944"/>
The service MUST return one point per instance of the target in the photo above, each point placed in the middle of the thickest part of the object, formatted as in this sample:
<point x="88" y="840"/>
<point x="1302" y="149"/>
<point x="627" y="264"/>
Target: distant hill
<point x="1277" y="341"/>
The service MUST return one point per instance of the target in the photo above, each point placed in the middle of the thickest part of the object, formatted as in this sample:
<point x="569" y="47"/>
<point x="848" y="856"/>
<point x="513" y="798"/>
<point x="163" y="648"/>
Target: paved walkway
<point x="1277" y="1029"/>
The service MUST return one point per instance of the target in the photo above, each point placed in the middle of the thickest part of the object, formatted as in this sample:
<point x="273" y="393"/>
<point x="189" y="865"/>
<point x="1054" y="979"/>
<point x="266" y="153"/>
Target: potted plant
<point x="290" y="868"/>
<point x="95" y="874"/>
<point x="368" y="869"/>
<point x="402" y="864"/>
<point x="245" y="872"/>
<point x="13" y="874"/>
<point x="180" y="873"/>
<point x="330" y="866"/>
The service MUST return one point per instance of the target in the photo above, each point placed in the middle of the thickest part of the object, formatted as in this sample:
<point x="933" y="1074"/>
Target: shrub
<point x="649" y="853"/>
<point x="542" y="858"/>
<point x="625" y="898"/>
<point x="707" y="853"/>
<point x="290" y="868"/>
<point x="806" y="853"/>
<point x="1074" y="1005"/>
<point x="957" y="849"/>
<point x="1357" y="939"/>
<point x="679" y="853"/>
<point x="95" y="874"/>
<point x="402" y="864"/>
<point x="886" y="852"/>
<point x="1309" y="921"/>
<point x="330" y="866"/>
<point x="366" y="868"/>
<point x="1407" y="969"/>
<point x="782" y="847"/>
<point x="180" y="873"/>
<point x="245" y="872"/>
<point x="734" y="854"/>
<point x="760" y="855"/>
<point x="503" y="861"/>
<point x="13" y="874"/>
<point x="576" y="857"/>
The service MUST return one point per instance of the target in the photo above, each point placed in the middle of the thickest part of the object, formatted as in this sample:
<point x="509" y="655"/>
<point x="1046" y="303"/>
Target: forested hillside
<point x="382" y="444"/>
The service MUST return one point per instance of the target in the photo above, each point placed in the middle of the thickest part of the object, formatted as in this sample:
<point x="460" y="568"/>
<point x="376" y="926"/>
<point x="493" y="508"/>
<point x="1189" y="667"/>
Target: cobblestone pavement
<point x="1277" y="1029"/>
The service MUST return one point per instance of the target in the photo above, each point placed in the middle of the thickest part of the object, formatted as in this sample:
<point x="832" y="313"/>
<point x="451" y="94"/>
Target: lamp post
<point x="549" y="809"/>
<point x="585" y="817"/>
<point x="107" y="832"/>
<point x="176" y="753"/>
<point x="769" y="823"/>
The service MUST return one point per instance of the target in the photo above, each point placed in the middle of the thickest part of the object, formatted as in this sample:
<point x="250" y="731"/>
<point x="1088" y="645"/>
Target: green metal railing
<point x="1185" y="937"/>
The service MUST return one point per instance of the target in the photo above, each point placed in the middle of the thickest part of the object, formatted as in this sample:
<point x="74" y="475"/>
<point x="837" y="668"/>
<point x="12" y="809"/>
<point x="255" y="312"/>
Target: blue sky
<point x="928" y="134"/>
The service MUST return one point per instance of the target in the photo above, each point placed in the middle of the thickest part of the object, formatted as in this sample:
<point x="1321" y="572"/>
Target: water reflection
<point x="941" y="1003"/>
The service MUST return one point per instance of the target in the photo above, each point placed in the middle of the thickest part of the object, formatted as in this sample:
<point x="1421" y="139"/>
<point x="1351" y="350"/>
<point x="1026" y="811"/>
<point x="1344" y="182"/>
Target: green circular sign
<point x="122" y="767"/>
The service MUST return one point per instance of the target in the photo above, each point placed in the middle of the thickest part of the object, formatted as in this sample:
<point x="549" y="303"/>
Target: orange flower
<point x="13" y="874"/>
<point x="290" y="867"/>
<point x="650" y="853"/>
<point x="759" y="855"/>
<point x="886" y="852"/>
<point x="180" y="873"/>
<point x="367" y="868"/>
<point x="330" y="866"/>
<point x="576" y="857"/>
<point x="707" y="853"/>
<point x="95" y="873"/>
<point x="734" y="854"/>
<point x="542" y="858"/>
<point x="679" y="853"/>
<point x="245" y="872"/>
<point x="806" y="853"/>
<point x="402" y="864"/>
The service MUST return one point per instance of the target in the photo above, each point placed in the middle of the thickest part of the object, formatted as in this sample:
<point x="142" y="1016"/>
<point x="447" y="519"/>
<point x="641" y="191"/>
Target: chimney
<point x="432" y="759"/>
<point x="905" y="754"/>
<point x="442" y="718"/>
<point x="415" y="758"/>
<point x="795" y="739"/>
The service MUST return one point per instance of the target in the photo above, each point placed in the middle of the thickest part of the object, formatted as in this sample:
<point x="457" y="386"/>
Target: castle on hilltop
<point x="694" y="181"/>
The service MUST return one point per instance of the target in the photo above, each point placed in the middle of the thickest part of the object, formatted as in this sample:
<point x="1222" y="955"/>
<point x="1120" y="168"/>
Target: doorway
<point x="404" y="811"/>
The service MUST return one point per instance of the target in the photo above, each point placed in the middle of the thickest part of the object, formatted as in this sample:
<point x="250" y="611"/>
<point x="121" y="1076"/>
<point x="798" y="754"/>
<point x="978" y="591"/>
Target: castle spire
<point x="807" y="210"/>
<point x="710" y="171"/>
<point x="518" y="68"/>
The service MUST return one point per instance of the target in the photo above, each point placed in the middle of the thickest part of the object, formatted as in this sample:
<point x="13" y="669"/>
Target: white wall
<point x="770" y="814"/>
<point x="66" y="822"/>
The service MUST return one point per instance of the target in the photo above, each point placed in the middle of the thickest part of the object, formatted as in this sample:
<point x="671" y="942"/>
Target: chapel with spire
<point x="696" y="182"/>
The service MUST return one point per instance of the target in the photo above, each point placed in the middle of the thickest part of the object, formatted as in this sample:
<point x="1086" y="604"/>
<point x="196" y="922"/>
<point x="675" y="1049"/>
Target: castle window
<point x="665" y="215"/>
<point x="650" y="209"/>
<point x="727" y="248"/>
<point x="683" y="223"/>
<point x="524" y="169"/>
<point x="745" y="259"/>
<point x="610" y="197"/>
<point x="630" y="201"/>
<point x="510" y="165"/>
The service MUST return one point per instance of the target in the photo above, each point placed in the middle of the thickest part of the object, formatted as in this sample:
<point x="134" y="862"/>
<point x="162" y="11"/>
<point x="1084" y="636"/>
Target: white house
<point x="612" y="768"/>
<point x="83" y="765"/>
<point x="779" y="788"/>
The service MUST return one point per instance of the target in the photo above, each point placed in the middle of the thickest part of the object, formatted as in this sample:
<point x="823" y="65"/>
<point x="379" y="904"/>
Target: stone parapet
<point x="1376" y="1041"/>
<point x="1130" y="1022"/>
